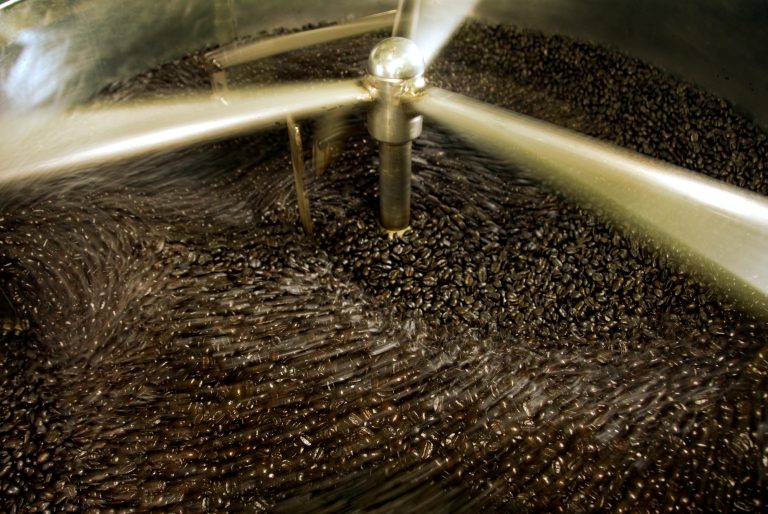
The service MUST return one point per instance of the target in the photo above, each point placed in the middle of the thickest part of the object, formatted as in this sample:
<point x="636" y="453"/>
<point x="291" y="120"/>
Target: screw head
<point x="396" y="58"/>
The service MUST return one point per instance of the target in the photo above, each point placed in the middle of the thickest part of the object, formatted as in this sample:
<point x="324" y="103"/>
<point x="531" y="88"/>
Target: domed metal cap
<point x="396" y="58"/>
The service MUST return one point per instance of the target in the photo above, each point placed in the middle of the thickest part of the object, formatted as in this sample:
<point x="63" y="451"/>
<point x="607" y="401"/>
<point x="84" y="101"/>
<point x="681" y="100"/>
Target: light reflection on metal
<point x="220" y="85"/>
<point x="407" y="18"/>
<point x="330" y="135"/>
<point x="8" y="3"/>
<point x="234" y="56"/>
<point x="396" y="58"/>
<point x="435" y="23"/>
<point x="37" y="73"/>
<point x="297" y="161"/>
<point x="69" y="142"/>
<point x="395" y="77"/>
<point x="719" y="228"/>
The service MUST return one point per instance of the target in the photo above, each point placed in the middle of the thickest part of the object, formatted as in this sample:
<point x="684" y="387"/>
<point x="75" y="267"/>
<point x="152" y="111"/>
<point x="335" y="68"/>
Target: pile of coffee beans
<point x="173" y="341"/>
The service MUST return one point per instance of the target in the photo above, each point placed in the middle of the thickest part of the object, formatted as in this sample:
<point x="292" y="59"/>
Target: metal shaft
<point x="406" y="19"/>
<point x="395" y="70"/>
<point x="395" y="185"/>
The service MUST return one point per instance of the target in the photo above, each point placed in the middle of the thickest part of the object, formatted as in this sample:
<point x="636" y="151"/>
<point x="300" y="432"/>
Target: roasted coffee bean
<point x="174" y="342"/>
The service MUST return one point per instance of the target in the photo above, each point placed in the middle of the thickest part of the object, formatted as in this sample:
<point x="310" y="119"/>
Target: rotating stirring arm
<point x="721" y="229"/>
<point x="90" y="137"/>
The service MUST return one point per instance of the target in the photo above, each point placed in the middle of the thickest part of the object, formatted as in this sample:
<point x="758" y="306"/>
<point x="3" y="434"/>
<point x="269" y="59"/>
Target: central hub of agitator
<point x="395" y="78"/>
